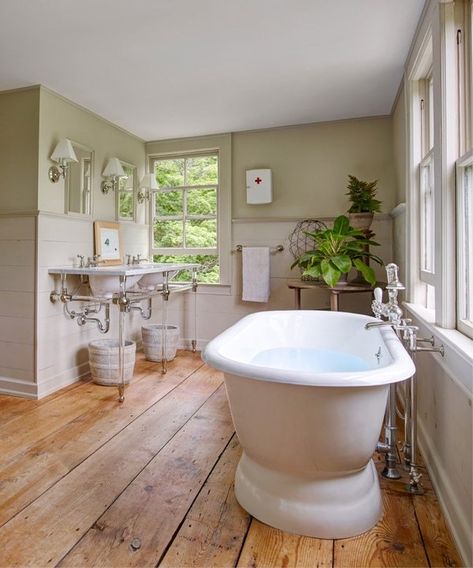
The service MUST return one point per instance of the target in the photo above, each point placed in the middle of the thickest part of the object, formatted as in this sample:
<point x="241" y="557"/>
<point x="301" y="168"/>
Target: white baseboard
<point x="449" y="502"/>
<point x="61" y="380"/>
<point x="17" y="387"/>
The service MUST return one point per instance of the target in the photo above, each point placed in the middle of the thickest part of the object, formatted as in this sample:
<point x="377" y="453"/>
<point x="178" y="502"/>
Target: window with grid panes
<point x="426" y="191"/>
<point x="185" y="213"/>
<point x="126" y="194"/>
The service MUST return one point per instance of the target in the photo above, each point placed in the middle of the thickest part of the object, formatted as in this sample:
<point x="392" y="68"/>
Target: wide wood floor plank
<point x="42" y="420"/>
<point x="438" y="543"/>
<point x="136" y="529"/>
<point x="394" y="541"/>
<point x="28" y="475"/>
<point x="48" y="528"/>
<point x="213" y="531"/>
<point x="266" y="546"/>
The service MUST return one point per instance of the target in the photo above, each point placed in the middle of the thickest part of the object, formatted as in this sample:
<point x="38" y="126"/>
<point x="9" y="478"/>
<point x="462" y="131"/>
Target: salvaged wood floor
<point x="86" y="481"/>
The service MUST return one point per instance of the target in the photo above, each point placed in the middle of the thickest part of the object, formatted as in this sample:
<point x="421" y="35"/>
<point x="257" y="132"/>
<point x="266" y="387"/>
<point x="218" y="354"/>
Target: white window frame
<point x="184" y="250"/>
<point x="132" y="191"/>
<point x="464" y="246"/>
<point x="221" y="143"/>
<point x="435" y="46"/>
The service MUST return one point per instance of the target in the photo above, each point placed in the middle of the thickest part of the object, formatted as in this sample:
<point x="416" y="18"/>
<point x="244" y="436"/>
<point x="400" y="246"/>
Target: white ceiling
<point x="173" y="68"/>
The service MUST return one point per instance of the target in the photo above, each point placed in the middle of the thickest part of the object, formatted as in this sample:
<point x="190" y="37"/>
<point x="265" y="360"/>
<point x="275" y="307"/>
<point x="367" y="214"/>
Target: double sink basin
<point x="104" y="281"/>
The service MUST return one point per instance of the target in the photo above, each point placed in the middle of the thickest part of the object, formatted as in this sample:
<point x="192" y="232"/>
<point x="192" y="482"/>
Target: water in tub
<point x="314" y="360"/>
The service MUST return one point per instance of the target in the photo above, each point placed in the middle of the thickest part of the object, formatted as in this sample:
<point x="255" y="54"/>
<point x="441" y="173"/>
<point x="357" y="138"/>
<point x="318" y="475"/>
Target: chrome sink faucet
<point x="93" y="261"/>
<point x="137" y="259"/>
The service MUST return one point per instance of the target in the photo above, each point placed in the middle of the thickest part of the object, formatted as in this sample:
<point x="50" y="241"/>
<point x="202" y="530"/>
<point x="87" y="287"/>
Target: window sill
<point x="215" y="289"/>
<point x="458" y="358"/>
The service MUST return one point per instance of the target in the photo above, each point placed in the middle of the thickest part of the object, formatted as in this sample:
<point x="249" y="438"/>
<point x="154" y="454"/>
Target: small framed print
<point x="108" y="242"/>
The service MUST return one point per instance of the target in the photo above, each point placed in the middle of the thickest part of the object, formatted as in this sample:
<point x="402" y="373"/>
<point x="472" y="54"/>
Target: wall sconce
<point x="113" y="171"/>
<point x="148" y="183"/>
<point x="63" y="154"/>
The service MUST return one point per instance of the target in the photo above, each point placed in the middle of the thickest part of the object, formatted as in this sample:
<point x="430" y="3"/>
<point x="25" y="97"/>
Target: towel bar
<point x="273" y="250"/>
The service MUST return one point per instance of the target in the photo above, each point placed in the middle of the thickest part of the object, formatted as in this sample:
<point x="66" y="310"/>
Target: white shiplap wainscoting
<point x="62" y="355"/>
<point x="17" y="305"/>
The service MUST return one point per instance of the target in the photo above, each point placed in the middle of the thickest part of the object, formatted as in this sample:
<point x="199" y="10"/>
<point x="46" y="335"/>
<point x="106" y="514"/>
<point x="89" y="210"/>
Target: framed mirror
<point x="126" y="193"/>
<point x="78" y="184"/>
<point x="108" y="242"/>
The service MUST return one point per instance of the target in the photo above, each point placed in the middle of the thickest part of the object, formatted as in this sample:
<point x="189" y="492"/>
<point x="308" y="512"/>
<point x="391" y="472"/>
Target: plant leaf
<point x="366" y="271"/>
<point x="341" y="225"/>
<point x="313" y="272"/>
<point x="330" y="274"/>
<point x="342" y="263"/>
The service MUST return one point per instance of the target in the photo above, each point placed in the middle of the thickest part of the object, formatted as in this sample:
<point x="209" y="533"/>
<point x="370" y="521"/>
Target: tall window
<point x="464" y="180"/>
<point x="126" y="194"/>
<point x="426" y="182"/>
<point x="465" y="244"/>
<point x="185" y="210"/>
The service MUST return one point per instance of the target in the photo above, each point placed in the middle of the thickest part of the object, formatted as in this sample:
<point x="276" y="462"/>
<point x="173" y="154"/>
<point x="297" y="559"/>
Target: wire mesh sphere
<point x="299" y="241"/>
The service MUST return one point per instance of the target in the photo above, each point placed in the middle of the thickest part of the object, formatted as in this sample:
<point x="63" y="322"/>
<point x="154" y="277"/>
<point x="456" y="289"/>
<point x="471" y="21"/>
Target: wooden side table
<point x="349" y="288"/>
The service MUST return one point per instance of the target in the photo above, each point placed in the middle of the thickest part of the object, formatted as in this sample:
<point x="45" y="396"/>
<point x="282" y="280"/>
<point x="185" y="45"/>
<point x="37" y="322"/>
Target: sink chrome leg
<point x="194" y="290"/>
<point x="121" y="339"/>
<point x="165" y="296"/>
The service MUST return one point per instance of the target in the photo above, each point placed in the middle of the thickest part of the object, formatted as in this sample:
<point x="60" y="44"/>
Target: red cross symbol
<point x="258" y="180"/>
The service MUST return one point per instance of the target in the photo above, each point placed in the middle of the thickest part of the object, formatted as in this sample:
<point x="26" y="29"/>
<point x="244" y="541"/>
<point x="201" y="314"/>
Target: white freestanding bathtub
<point x="307" y="393"/>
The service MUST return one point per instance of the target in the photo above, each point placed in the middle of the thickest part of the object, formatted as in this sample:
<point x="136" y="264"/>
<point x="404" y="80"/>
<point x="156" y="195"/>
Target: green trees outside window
<point x="185" y="213"/>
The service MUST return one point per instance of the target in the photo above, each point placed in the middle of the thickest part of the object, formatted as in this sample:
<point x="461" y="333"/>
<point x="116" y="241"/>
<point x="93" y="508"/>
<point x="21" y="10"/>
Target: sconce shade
<point x="64" y="152"/>
<point x="114" y="169"/>
<point x="148" y="181"/>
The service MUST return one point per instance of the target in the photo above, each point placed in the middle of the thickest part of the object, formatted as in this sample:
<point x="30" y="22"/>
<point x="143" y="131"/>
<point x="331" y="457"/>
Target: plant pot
<point x="361" y="220"/>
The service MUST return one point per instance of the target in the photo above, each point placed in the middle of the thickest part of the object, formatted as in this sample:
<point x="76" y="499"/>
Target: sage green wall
<point x="59" y="118"/>
<point x="19" y="123"/>
<point x="399" y="146"/>
<point x="310" y="165"/>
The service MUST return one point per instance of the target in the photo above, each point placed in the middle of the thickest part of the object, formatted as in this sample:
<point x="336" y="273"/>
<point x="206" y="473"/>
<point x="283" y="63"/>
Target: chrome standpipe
<point x="408" y="334"/>
<point x="393" y="314"/>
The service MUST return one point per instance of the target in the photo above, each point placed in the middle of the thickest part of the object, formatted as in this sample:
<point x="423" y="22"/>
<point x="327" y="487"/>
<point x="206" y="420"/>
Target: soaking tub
<point x="307" y="393"/>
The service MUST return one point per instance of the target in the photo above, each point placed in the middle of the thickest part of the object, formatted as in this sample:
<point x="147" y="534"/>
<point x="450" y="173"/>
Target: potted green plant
<point x="363" y="202"/>
<point x="336" y="252"/>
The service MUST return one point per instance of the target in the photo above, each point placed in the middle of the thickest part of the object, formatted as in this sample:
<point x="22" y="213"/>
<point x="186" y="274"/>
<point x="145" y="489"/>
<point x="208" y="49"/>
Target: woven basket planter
<point x="152" y="341"/>
<point x="103" y="361"/>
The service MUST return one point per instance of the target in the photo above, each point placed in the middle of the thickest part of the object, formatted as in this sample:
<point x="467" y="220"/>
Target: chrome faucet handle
<point x="81" y="260"/>
<point x="378" y="295"/>
<point x="128" y="259"/>
<point x="392" y="271"/>
<point x="377" y="305"/>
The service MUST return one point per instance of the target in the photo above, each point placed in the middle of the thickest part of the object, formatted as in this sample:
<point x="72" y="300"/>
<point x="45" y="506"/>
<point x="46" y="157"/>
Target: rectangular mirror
<point x="78" y="184"/>
<point x="126" y="193"/>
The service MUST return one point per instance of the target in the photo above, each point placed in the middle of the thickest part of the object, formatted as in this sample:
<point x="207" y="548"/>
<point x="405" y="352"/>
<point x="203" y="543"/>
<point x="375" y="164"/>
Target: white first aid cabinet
<point x="259" y="187"/>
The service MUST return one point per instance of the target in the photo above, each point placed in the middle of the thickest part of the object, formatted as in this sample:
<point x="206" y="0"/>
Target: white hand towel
<point x="256" y="274"/>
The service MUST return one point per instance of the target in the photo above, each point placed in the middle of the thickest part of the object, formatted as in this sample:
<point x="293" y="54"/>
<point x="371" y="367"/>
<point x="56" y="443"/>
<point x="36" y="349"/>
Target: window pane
<point x="202" y="171"/>
<point x="126" y="204"/>
<point x="168" y="234"/>
<point x="202" y="202"/>
<point x="169" y="203"/>
<point x="201" y="234"/>
<point x="209" y="273"/>
<point x="427" y="240"/>
<point x="468" y="242"/>
<point x="169" y="173"/>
